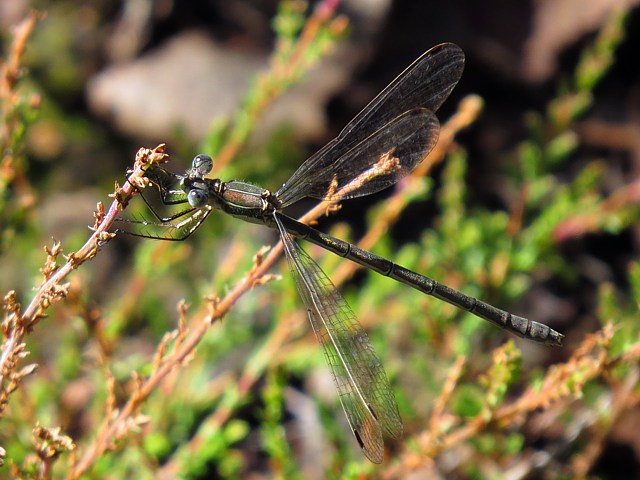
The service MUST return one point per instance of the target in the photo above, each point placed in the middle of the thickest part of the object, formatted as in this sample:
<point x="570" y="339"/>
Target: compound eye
<point x="201" y="165"/>
<point x="197" y="198"/>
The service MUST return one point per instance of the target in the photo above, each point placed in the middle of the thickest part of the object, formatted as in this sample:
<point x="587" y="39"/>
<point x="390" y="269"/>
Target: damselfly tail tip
<point x="554" y="338"/>
<point x="535" y="331"/>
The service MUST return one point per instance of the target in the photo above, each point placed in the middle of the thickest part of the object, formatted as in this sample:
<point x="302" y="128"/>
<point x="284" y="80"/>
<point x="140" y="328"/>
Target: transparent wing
<point x="424" y="85"/>
<point x="374" y="164"/>
<point x="365" y="393"/>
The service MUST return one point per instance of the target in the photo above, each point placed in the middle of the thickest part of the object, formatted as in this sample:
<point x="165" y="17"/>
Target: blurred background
<point x="548" y="171"/>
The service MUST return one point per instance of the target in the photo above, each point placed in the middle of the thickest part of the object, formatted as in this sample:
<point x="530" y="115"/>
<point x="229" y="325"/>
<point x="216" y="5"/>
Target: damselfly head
<point x="196" y="188"/>
<point x="197" y="198"/>
<point x="200" y="166"/>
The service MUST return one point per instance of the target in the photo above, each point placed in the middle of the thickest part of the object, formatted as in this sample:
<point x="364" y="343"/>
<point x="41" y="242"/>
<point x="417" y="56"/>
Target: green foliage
<point x="272" y="427"/>
<point x="221" y="407"/>
<point x="296" y="51"/>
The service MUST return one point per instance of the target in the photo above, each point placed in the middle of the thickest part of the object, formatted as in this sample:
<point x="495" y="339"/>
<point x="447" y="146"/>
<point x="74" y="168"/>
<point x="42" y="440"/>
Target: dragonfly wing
<point x="425" y="84"/>
<point x="377" y="162"/>
<point x="363" y="388"/>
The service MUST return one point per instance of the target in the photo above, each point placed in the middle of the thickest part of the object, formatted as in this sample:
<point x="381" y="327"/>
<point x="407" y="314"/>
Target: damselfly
<point x="381" y="145"/>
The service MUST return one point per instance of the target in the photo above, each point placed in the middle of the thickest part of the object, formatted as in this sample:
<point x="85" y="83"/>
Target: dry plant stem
<point x="269" y="82"/>
<point x="242" y="384"/>
<point x="217" y="311"/>
<point x="322" y="14"/>
<point x="10" y="72"/>
<point x="16" y="323"/>
<point x="589" y="361"/>
<point x="439" y="407"/>
<point x="12" y="121"/>
<point x="624" y="399"/>
<point x="581" y="224"/>
<point x="468" y="111"/>
<point x="183" y="351"/>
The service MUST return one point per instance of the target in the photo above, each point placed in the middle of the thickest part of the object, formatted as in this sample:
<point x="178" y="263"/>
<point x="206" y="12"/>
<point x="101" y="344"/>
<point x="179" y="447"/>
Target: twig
<point x="275" y="81"/>
<point x="16" y="323"/>
<point x="588" y="362"/>
<point x="183" y="351"/>
<point x="468" y="111"/>
<point x="11" y="115"/>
